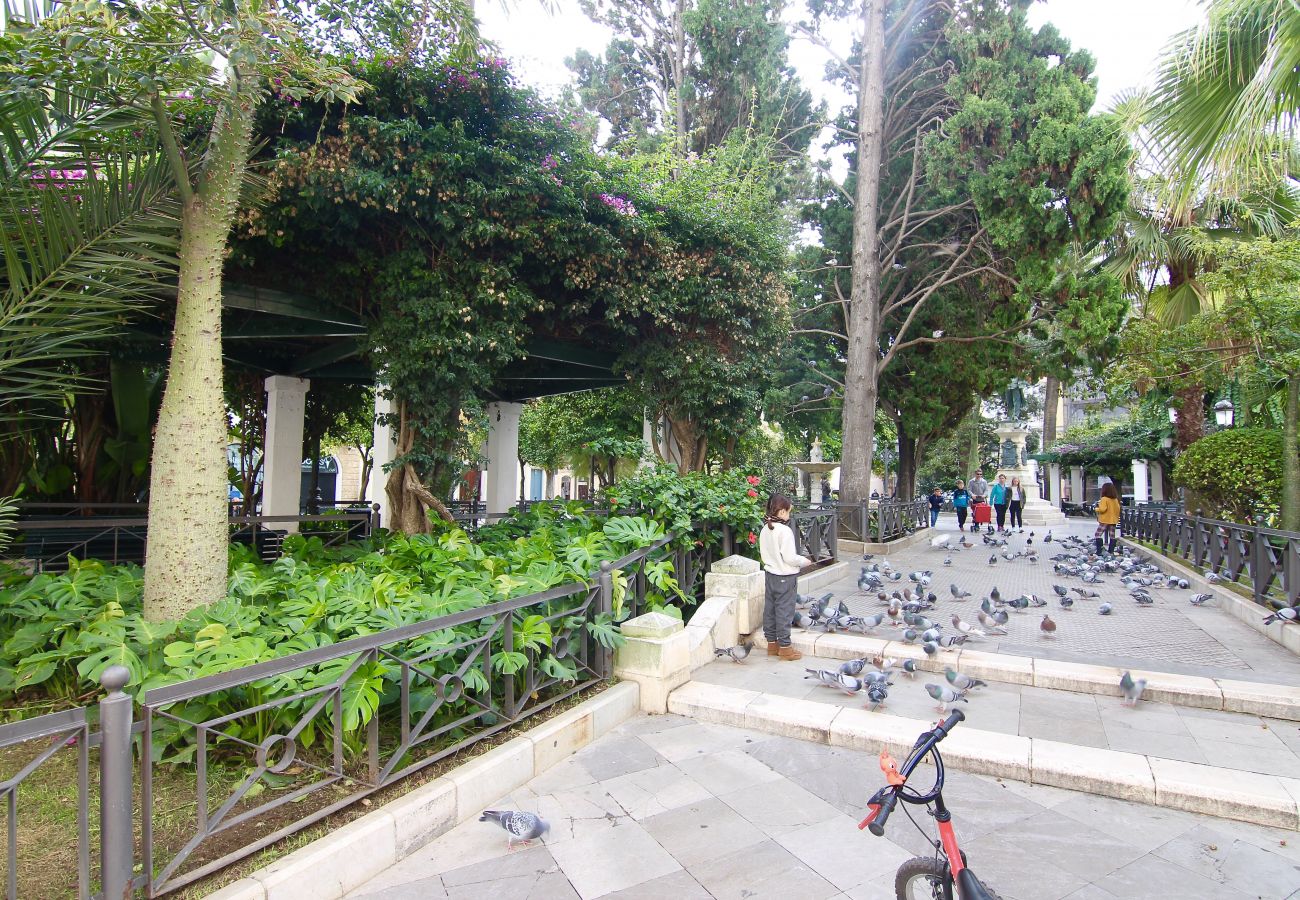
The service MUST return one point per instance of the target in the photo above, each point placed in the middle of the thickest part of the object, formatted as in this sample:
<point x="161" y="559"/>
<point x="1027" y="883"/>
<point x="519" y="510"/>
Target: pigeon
<point x="961" y="682"/>
<point x="877" y="694"/>
<point x="1201" y="599"/>
<point x="1213" y="577"/>
<point x="958" y="592"/>
<point x="853" y="666"/>
<point x="1047" y="626"/>
<point x="948" y="641"/>
<point x="945" y="695"/>
<point x="824" y="676"/>
<point x="1104" y="609"/>
<point x="1060" y="590"/>
<point x="736" y="653"/>
<point x="995" y="595"/>
<point x="1131" y="689"/>
<point x="940" y="542"/>
<point x="848" y="684"/>
<point x="1066" y="602"/>
<point x="930" y="648"/>
<point x="909" y="635"/>
<point x="993" y="560"/>
<point x="988" y="622"/>
<point x="1285" y="614"/>
<point x="964" y="627"/>
<point x="1086" y="593"/>
<point x="909" y="668"/>
<point x="947" y="560"/>
<point x="1047" y="538"/>
<point x="519" y="826"/>
<point x="1001" y="616"/>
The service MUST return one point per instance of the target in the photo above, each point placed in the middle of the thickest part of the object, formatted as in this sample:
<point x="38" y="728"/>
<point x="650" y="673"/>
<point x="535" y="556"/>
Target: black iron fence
<point x="47" y="534"/>
<point x="1266" y="561"/>
<point x="879" y="521"/>
<point x="312" y="732"/>
<point x="816" y="533"/>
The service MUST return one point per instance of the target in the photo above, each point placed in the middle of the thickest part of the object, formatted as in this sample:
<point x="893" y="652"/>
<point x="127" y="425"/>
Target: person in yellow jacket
<point x="1107" y="517"/>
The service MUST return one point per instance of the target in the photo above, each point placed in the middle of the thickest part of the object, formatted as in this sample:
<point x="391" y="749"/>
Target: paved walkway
<point x="665" y="807"/>
<point x="1208" y="736"/>
<point x="1171" y="635"/>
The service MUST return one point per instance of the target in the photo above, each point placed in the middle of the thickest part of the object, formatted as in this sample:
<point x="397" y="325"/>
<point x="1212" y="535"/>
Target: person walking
<point x="961" y="503"/>
<point x="936" y="504"/>
<point x="781" y="564"/>
<point x="1000" y="497"/>
<point x="1107" y="518"/>
<point x="979" y="493"/>
<point x="1016" y="506"/>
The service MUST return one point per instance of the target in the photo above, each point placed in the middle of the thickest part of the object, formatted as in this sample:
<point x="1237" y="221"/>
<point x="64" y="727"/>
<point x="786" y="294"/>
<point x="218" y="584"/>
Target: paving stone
<point x="1153" y="878"/>
<point x="652" y="791"/>
<point x="616" y="756"/>
<point x="1215" y="854"/>
<point x="727" y="770"/>
<point x="1146" y="827"/>
<point x="678" y="886"/>
<point x="781" y="807"/>
<point x="760" y="872"/>
<point x="846" y="857"/>
<point x="611" y="860"/>
<point x="701" y="831"/>
<point x="1082" y="851"/>
<point x="1000" y="864"/>
<point x="424" y="889"/>
<point x="700" y="739"/>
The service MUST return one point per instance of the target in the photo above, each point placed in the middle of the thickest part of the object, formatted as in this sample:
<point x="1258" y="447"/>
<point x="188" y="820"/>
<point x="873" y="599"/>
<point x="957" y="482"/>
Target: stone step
<point x="1209" y="790"/>
<point x="1276" y="701"/>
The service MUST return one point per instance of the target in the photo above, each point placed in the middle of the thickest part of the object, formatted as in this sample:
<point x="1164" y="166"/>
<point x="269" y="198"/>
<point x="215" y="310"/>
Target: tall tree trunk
<point x="186" y="557"/>
<point x="905" y="478"/>
<point x="1190" y="401"/>
<point x="973" y="448"/>
<point x="313" y="487"/>
<point x="1291" y="456"/>
<point x="679" y="74"/>
<point x="1051" y="401"/>
<point x="409" y="500"/>
<point x="367" y="469"/>
<point x="861" y="389"/>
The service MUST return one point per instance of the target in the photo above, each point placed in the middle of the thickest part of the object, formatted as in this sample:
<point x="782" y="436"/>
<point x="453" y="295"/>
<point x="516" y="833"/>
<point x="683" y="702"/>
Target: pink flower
<point x="753" y="538"/>
<point x="753" y="479"/>
<point x="751" y="492"/>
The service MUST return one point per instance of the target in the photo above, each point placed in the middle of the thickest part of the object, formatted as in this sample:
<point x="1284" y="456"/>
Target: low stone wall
<point x="351" y="855"/>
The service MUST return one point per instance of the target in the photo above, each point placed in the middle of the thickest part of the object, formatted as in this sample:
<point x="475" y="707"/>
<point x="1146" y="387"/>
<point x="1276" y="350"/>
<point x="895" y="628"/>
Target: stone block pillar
<point x="383" y="452"/>
<point x="1140" y="480"/>
<point x="656" y="655"/>
<point x="1054" y="483"/>
<point x="502" y="490"/>
<point x="286" y="400"/>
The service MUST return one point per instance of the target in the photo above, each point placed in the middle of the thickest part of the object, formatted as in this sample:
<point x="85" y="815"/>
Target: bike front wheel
<point x="922" y="878"/>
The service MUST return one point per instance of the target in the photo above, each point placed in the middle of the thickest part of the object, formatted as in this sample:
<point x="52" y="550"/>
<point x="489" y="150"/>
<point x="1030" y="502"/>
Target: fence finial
<point x="114" y="678"/>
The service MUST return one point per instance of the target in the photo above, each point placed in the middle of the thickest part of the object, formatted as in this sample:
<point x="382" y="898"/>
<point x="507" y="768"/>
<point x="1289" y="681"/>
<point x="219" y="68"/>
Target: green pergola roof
<point x="280" y="333"/>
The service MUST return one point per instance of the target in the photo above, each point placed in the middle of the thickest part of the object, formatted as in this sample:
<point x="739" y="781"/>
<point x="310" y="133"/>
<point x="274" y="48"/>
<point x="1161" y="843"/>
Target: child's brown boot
<point x="789" y="654"/>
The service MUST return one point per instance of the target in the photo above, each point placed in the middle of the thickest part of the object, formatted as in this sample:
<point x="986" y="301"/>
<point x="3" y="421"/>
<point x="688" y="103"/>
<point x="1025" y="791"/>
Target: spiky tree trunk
<point x="1291" y="456"/>
<point x="185" y="561"/>
<point x="861" y="378"/>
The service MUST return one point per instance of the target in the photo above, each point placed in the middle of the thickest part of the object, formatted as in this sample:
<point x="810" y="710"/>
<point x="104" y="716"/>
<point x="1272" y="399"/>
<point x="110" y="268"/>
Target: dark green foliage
<point x="62" y="631"/>
<point x="1236" y="474"/>
<point x="589" y="431"/>
<point x="676" y="501"/>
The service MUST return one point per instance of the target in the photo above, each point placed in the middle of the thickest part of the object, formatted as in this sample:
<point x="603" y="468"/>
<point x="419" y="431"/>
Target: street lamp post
<point x="1223" y="413"/>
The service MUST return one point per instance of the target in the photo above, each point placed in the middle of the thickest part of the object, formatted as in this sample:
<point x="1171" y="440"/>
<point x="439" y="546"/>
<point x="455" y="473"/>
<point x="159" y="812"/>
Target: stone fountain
<point x="816" y="467"/>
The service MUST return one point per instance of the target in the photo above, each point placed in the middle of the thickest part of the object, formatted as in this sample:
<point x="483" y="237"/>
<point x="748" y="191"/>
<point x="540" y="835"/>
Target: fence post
<point x="605" y="581"/>
<point x="116" y="837"/>
<point x="1257" y="557"/>
<point x="728" y="542"/>
<point x="880" y="521"/>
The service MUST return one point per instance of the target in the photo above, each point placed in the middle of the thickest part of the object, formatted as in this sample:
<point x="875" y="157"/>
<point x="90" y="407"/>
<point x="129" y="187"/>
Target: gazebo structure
<point x="300" y="344"/>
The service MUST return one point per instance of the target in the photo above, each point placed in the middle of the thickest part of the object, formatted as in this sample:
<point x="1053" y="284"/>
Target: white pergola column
<point x="648" y="435"/>
<point x="1157" y="482"/>
<point x="1054" y="483"/>
<point x="1141" y="493"/>
<point x="1076" y="484"/>
<point x="502" y="489"/>
<point x="286" y="403"/>
<point x="383" y="452"/>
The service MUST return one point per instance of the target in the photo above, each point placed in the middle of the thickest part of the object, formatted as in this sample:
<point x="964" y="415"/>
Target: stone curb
<point x="878" y="549"/>
<point x="352" y="854"/>
<point x="1239" y="608"/>
<point x="1277" y="701"/>
<point x="1209" y="790"/>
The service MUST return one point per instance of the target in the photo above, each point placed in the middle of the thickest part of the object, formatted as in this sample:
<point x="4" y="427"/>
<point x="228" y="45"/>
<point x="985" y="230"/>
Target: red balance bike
<point x="927" y="877"/>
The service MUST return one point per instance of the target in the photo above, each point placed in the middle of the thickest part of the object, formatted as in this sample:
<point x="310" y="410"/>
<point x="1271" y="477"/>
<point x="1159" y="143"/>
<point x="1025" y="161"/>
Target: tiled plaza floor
<point x="666" y="807"/>
<point x="1171" y="635"/>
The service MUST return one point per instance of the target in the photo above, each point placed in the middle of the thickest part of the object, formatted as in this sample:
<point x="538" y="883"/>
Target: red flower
<point x="752" y="492"/>
<point x="753" y="479"/>
<point x="753" y="538"/>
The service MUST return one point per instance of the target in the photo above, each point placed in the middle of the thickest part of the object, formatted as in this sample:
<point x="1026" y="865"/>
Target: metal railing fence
<point x="879" y="521"/>
<point x="326" y="727"/>
<point x="1264" y="560"/>
<point x="816" y="533"/>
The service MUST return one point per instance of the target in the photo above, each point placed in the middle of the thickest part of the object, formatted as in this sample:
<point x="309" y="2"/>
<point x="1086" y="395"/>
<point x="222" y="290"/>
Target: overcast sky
<point x="1124" y="36"/>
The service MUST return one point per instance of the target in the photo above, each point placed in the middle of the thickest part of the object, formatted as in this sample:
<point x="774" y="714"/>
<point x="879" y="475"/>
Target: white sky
<point x="1124" y="36"/>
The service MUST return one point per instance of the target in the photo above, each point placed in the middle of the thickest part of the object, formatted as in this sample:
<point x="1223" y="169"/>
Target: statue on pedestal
<point x="815" y="455"/>
<point x="1014" y="399"/>
<point x="1010" y="455"/>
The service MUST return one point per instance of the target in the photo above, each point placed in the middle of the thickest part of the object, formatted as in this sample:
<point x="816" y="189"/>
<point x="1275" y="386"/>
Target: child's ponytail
<point x="775" y="505"/>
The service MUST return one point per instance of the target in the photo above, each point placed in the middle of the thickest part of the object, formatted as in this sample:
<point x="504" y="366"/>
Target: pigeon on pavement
<point x="1200" y="599"/>
<point x="736" y="653"/>
<point x="958" y="592"/>
<point x="1048" y="627"/>
<point x="944" y="695"/>
<point x="519" y="826"/>
<point x="1131" y="689"/>
<point x="961" y="682"/>
<point x="1104" y="609"/>
<point x="1285" y="614"/>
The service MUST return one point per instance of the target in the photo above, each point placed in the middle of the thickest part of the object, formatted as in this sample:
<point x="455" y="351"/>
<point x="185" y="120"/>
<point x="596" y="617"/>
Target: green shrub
<point x="677" y="501"/>
<point x="65" y="629"/>
<point x="1236" y="473"/>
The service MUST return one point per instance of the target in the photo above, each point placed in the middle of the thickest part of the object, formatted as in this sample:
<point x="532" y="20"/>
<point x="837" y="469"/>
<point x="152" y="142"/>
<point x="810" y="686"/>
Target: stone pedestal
<point x="503" y="456"/>
<point x="384" y="451"/>
<point x="1140" y="481"/>
<point x="656" y="655"/>
<point x="286" y="400"/>
<point x="1011" y="451"/>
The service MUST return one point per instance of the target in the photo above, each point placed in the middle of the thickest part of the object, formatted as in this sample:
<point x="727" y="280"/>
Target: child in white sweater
<point x="782" y="565"/>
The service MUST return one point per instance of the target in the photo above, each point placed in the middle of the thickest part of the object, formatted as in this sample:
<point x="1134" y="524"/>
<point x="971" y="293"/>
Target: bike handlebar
<point x="888" y="796"/>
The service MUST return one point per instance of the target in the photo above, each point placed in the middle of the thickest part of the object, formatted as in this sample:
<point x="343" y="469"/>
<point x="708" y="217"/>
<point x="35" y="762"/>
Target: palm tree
<point x="88" y="230"/>
<point x="1161" y="253"/>
<point x="1228" y="91"/>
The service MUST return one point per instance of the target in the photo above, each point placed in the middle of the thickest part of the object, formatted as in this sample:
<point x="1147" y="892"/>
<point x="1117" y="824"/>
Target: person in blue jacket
<point x="936" y="504"/>
<point x="961" y="503"/>
<point x="1000" y="497"/>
